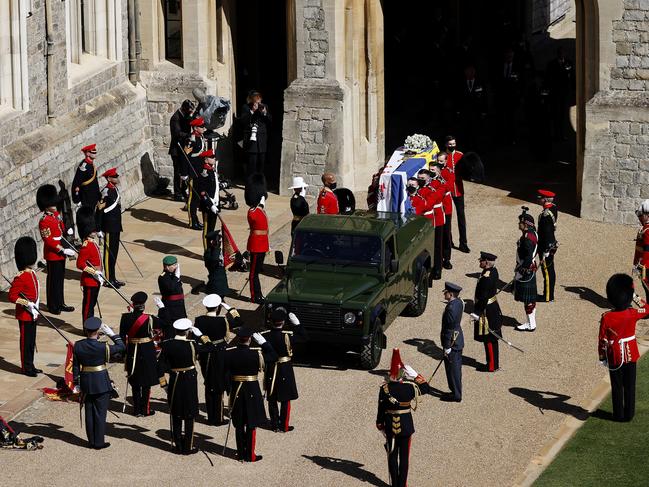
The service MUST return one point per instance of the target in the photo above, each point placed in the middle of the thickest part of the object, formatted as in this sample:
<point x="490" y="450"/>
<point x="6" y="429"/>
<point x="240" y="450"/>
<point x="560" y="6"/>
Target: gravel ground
<point x="488" y="439"/>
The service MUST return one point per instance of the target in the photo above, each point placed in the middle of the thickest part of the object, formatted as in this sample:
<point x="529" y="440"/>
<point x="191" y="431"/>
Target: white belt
<point x="439" y="205"/>
<point x="111" y="207"/>
<point x="430" y="212"/>
<point x="627" y="339"/>
<point x="56" y="238"/>
<point x="448" y="193"/>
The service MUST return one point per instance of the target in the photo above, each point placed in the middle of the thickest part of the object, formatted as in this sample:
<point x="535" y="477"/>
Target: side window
<point x="390" y="253"/>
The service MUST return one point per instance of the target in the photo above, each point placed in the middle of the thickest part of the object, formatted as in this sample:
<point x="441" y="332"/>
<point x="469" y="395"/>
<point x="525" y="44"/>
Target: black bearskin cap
<point x="255" y="189"/>
<point x="346" y="201"/>
<point x="25" y="252"/>
<point x="470" y="168"/>
<point x="86" y="221"/>
<point x="619" y="291"/>
<point x="47" y="196"/>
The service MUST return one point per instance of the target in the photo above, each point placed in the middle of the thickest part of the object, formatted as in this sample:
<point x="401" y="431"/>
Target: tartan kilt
<point x="525" y="292"/>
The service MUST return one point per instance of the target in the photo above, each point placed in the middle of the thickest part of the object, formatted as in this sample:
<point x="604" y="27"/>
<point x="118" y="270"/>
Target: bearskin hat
<point x="255" y="189"/>
<point x="25" y="252"/>
<point x="619" y="291"/>
<point x="47" y="196"/>
<point x="526" y="218"/>
<point x="470" y="168"/>
<point x="86" y="221"/>
<point x="346" y="201"/>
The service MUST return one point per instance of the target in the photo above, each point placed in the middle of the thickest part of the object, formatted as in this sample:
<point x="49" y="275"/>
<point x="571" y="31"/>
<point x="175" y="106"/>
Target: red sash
<point x="173" y="297"/>
<point x="143" y="318"/>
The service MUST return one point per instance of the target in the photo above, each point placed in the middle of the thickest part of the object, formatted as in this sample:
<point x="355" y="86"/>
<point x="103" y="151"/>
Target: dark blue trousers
<point x="96" y="408"/>
<point x="453" y="367"/>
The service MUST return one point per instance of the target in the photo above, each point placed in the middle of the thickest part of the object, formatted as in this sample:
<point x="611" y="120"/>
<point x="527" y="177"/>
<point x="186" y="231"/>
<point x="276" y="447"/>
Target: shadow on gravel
<point x="430" y="348"/>
<point x="550" y="400"/>
<point x="353" y="469"/>
<point x="589" y="295"/>
<point x="48" y="430"/>
<point x="601" y="414"/>
<point x="145" y="215"/>
<point x="136" y="434"/>
<point x="9" y="367"/>
<point x="167" y="248"/>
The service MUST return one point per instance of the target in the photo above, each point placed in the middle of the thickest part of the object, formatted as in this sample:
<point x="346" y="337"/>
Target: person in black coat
<point x="193" y="147"/>
<point x="217" y="279"/>
<point x="178" y="359"/>
<point x="470" y="105"/>
<point x="242" y="366"/>
<point x="180" y="131"/>
<point x="486" y="315"/>
<point x="217" y="329"/>
<point x="91" y="378"/>
<point x="452" y="340"/>
<point x="547" y="224"/>
<point x="109" y="217"/>
<point x="299" y="205"/>
<point x="171" y="289"/>
<point x="85" y="185"/>
<point x="137" y="330"/>
<point x="279" y="378"/>
<point x="254" y="120"/>
<point x="206" y="185"/>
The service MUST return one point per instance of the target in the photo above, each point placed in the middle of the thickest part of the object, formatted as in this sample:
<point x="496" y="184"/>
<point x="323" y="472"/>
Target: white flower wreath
<point x="417" y="142"/>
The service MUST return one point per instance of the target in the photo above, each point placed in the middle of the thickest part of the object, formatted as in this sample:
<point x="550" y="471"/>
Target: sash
<point x="143" y="318"/>
<point x="94" y="176"/>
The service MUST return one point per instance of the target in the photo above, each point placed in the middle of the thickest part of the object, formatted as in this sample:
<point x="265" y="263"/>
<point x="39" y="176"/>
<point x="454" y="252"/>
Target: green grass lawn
<point x="604" y="452"/>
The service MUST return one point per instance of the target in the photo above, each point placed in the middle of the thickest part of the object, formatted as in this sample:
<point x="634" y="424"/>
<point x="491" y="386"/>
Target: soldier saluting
<point x="85" y="186"/>
<point x="110" y="222"/>
<point x="171" y="289"/>
<point x="279" y="376"/>
<point x="547" y="224"/>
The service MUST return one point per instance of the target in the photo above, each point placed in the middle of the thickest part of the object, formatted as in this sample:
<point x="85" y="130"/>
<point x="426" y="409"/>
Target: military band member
<point x="486" y="315"/>
<point x="327" y="202"/>
<point x="217" y="329"/>
<point x="258" y="244"/>
<point x="137" y="330"/>
<point x="89" y="262"/>
<point x="171" y="289"/>
<point x="547" y="224"/>
<point x="279" y="381"/>
<point x="52" y="231"/>
<point x="85" y="185"/>
<point x="194" y="146"/>
<point x="447" y="176"/>
<point x="207" y="187"/>
<point x="109" y="210"/>
<point x="525" y="277"/>
<point x="243" y="363"/>
<point x="617" y="347"/>
<point x="452" y="340"/>
<point x="25" y="292"/>
<point x="641" y="255"/>
<point x="299" y="205"/>
<point x="394" y="415"/>
<point x="178" y="359"/>
<point x="89" y="368"/>
<point x="435" y="213"/>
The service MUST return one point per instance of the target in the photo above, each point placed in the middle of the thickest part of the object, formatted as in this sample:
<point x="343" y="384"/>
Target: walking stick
<point x="131" y="257"/>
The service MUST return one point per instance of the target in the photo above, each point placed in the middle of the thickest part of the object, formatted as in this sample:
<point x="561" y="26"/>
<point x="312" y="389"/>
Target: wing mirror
<point x="394" y="266"/>
<point x="279" y="257"/>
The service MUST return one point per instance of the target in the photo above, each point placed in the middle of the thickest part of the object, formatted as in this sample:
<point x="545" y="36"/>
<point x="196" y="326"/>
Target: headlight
<point x="349" y="318"/>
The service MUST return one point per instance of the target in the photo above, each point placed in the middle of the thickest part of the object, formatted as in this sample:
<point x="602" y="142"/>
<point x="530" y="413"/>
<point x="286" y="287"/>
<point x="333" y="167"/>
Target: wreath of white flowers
<point x="417" y="143"/>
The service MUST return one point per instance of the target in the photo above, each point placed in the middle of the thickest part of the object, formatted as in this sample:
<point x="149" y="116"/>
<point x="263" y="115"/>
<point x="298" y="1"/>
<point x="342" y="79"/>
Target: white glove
<point x="106" y="330"/>
<point x="76" y="390"/>
<point x="410" y="372"/>
<point x="447" y="351"/>
<point x="546" y="255"/>
<point x="184" y="178"/>
<point x="635" y="271"/>
<point x="69" y="252"/>
<point x="259" y="338"/>
<point x="99" y="276"/>
<point x="215" y="209"/>
<point x="70" y="232"/>
<point x="158" y="302"/>
<point x="474" y="317"/>
<point x="603" y="363"/>
<point x="77" y="206"/>
<point x="177" y="271"/>
<point x="33" y="309"/>
<point x="100" y="234"/>
<point x="262" y="201"/>
<point x="226" y="306"/>
<point x="293" y="319"/>
<point x="197" y="333"/>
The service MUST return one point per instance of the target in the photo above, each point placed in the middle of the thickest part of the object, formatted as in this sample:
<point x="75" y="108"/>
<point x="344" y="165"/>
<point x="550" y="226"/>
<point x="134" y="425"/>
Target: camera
<point x="253" y="134"/>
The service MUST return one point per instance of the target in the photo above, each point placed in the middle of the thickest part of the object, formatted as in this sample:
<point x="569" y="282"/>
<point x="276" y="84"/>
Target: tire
<point x="417" y="305"/>
<point x="371" y="353"/>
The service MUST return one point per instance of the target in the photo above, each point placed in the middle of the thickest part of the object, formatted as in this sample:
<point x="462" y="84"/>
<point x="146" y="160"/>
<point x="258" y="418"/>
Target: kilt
<point x="525" y="290"/>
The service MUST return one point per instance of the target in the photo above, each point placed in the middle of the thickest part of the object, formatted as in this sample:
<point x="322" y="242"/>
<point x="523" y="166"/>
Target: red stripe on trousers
<point x="490" y="356"/>
<point x="22" y="345"/>
<point x="288" y="415"/>
<point x="253" y="457"/>
<point x="253" y="264"/>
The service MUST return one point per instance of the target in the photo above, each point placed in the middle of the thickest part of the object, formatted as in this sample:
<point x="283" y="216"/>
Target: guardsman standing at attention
<point x="52" y="230"/>
<point x="452" y="340"/>
<point x="258" y="245"/>
<point x="435" y="213"/>
<point x="171" y="289"/>
<point x="194" y="146"/>
<point x="547" y="242"/>
<point x="207" y="187"/>
<point x="394" y="415"/>
<point x="242" y="365"/>
<point x="448" y="176"/>
<point x="299" y="205"/>
<point x="89" y="261"/>
<point x="453" y="156"/>
<point x="327" y="202"/>
<point x="178" y="358"/>
<point x="417" y="201"/>
<point x="279" y="377"/>
<point x="25" y="292"/>
<point x="136" y="329"/>
<point x="216" y="328"/>
<point x="525" y="277"/>
<point x="89" y="368"/>
<point x="85" y="185"/>
<point x="486" y="315"/>
<point x="617" y="347"/>
<point x="110" y="223"/>
<point x="641" y="256"/>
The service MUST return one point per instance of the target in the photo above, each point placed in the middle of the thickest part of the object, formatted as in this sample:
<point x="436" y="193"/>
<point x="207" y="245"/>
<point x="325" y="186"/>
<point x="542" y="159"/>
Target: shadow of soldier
<point x="153" y="216"/>
<point x="348" y="467"/>
<point x="48" y="430"/>
<point x="550" y="400"/>
<point x="430" y="348"/>
<point x="167" y="248"/>
<point x="589" y="295"/>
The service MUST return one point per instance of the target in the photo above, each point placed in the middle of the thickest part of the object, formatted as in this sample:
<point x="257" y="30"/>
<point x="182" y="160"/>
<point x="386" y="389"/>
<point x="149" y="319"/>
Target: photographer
<point x="254" y="119"/>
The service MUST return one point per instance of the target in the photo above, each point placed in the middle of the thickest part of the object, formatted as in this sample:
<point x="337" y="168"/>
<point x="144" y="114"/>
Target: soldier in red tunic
<point x="26" y="284"/>
<point x="435" y="212"/>
<point x="440" y="183"/>
<point x="89" y="261"/>
<point x="453" y="157"/>
<point x="327" y="201"/>
<point x="641" y="256"/>
<point x="417" y="201"/>
<point x="617" y="346"/>
<point x="52" y="230"/>
<point x="255" y="195"/>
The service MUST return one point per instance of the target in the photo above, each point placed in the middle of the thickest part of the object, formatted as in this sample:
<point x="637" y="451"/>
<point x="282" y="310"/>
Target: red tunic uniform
<point x="434" y="206"/>
<point x="418" y="203"/>
<point x="25" y="282"/>
<point x="52" y="229"/>
<point x="451" y="161"/>
<point x="258" y="223"/>
<point x="327" y="202"/>
<point x="641" y="256"/>
<point x="447" y="202"/>
<point x="89" y="252"/>
<point x="617" y="336"/>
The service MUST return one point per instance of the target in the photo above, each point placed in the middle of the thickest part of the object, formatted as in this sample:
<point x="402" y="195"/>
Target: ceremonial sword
<point x="455" y="335"/>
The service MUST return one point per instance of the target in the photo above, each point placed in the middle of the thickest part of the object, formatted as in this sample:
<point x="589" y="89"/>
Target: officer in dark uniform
<point x="85" y="185"/>
<point x="91" y="378"/>
<point x="394" y="416"/>
<point x="452" y="340"/>
<point x="178" y="358"/>
<point x="217" y="329"/>
<point x="547" y="224"/>
<point x="525" y="277"/>
<point x="180" y="130"/>
<point x="242" y="365"/>
<point x="299" y="205"/>
<point x="193" y="147"/>
<point x="171" y="289"/>
<point x="206" y="185"/>
<point x="279" y="377"/>
<point x="217" y="279"/>
<point x="486" y="315"/>
<point x="110" y="223"/>
<point x="137" y="330"/>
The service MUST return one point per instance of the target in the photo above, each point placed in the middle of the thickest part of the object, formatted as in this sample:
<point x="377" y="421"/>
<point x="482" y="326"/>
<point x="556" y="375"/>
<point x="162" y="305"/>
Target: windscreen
<point x="313" y="246"/>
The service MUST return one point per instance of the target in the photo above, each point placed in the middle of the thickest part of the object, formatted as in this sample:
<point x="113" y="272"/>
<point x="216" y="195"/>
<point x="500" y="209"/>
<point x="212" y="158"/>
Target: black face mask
<point x="421" y="182"/>
<point x="411" y="190"/>
<point x="333" y="186"/>
<point x="451" y="148"/>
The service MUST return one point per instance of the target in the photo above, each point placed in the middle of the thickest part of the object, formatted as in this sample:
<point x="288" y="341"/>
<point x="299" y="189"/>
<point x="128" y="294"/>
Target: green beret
<point x="169" y="260"/>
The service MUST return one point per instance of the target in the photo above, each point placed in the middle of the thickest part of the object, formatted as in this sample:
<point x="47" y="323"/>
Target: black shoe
<point x="437" y="276"/>
<point x="290" y="428"/>
<point x="257" y="459"/>
<point x="449" y="398"/>
<point x="119" y="283"/>
<point x="67" y="309"/>
<point x="150" y="413"/>
<point x="116" y="284"/>
<point x="259" y="300"/>
<point x="179" y="197"/>
<point x="101" y="447"/>
<point x="107" y="284"/>
<point x="54" y="311"/>
<point x="447" y="265"/>
<point x="30" y="373"/>
<point x="191" y="451"/>
<point x="196" y="226"/>
<point x="464" y="248"/>
<point x="38" y="371"/>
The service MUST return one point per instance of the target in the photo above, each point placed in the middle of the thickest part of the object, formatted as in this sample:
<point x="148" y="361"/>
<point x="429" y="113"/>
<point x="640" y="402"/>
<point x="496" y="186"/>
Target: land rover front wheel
<point x="417" y="305"/>
<point x="371" y="351"/>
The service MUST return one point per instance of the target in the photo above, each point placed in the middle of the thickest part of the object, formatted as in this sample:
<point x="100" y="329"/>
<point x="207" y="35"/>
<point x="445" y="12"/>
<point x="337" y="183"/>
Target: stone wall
<point x="631" y="38"/>
<point x="316" y="39"/>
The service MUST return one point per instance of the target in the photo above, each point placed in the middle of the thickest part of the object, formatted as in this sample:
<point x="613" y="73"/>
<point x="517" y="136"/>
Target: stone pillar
<point x="196" y="35"/>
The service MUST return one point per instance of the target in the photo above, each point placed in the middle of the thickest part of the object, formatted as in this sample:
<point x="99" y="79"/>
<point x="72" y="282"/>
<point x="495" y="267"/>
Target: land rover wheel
<point x="371" y="352"/>
<point x="417" y="305"/>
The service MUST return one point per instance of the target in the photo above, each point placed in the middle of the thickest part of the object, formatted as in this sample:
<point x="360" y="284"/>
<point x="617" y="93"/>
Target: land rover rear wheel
<point x="371" y="352"/>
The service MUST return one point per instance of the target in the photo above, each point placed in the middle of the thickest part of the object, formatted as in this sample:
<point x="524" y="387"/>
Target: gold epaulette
<point x="85" y="242"/>
<point x="163" y="273"/>
<point x="487" y="274"/>
<point x="264" y="332"/>
<point x="288" y="332"/>
<point x="255" y="348"/>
